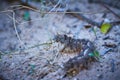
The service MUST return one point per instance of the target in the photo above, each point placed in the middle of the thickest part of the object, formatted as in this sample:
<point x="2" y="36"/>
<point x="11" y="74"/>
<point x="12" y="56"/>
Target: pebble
<point x="99" y="76"/>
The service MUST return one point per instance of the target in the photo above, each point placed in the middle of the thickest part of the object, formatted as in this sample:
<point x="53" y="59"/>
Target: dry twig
<point x="111" y="10"/>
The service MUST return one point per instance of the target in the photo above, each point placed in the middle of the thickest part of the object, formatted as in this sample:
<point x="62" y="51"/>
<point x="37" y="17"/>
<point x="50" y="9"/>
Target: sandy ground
<point x="45" y="62"/>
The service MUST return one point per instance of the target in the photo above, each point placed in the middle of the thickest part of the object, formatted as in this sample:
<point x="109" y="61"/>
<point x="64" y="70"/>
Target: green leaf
<point x="96" y="54"/>
<point x="105" y="28"/>
<point x="26" y="15"/>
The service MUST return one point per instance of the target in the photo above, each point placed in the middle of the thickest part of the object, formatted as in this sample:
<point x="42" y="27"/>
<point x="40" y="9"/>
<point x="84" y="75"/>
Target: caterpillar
<point x="80" y="62"/>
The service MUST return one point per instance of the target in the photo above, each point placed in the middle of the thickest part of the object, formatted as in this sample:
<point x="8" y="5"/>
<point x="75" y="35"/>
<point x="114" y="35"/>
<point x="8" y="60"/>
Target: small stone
<point x="101" y="65"/>
<point x="98" y="70"/>
<point x="99" y="75"/>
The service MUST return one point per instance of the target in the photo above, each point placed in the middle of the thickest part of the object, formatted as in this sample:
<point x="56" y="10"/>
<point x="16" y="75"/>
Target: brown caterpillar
<point x="80" y="62"/>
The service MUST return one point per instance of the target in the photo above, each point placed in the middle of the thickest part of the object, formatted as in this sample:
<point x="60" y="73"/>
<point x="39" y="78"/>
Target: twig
<point x="52" y="12"/>
<point x="14" y="24"/>
<point x="110" y="10"/>
<point x="115" y="23"/>
<point x="55" y="5"/>
<point x="112" y="3"/>
<point x="27" y="48"/>
<point x="26" y="7"/>
<point x="16" y="30"/>
<point x="81" y="17"/>
<point x="12" y="18"/>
